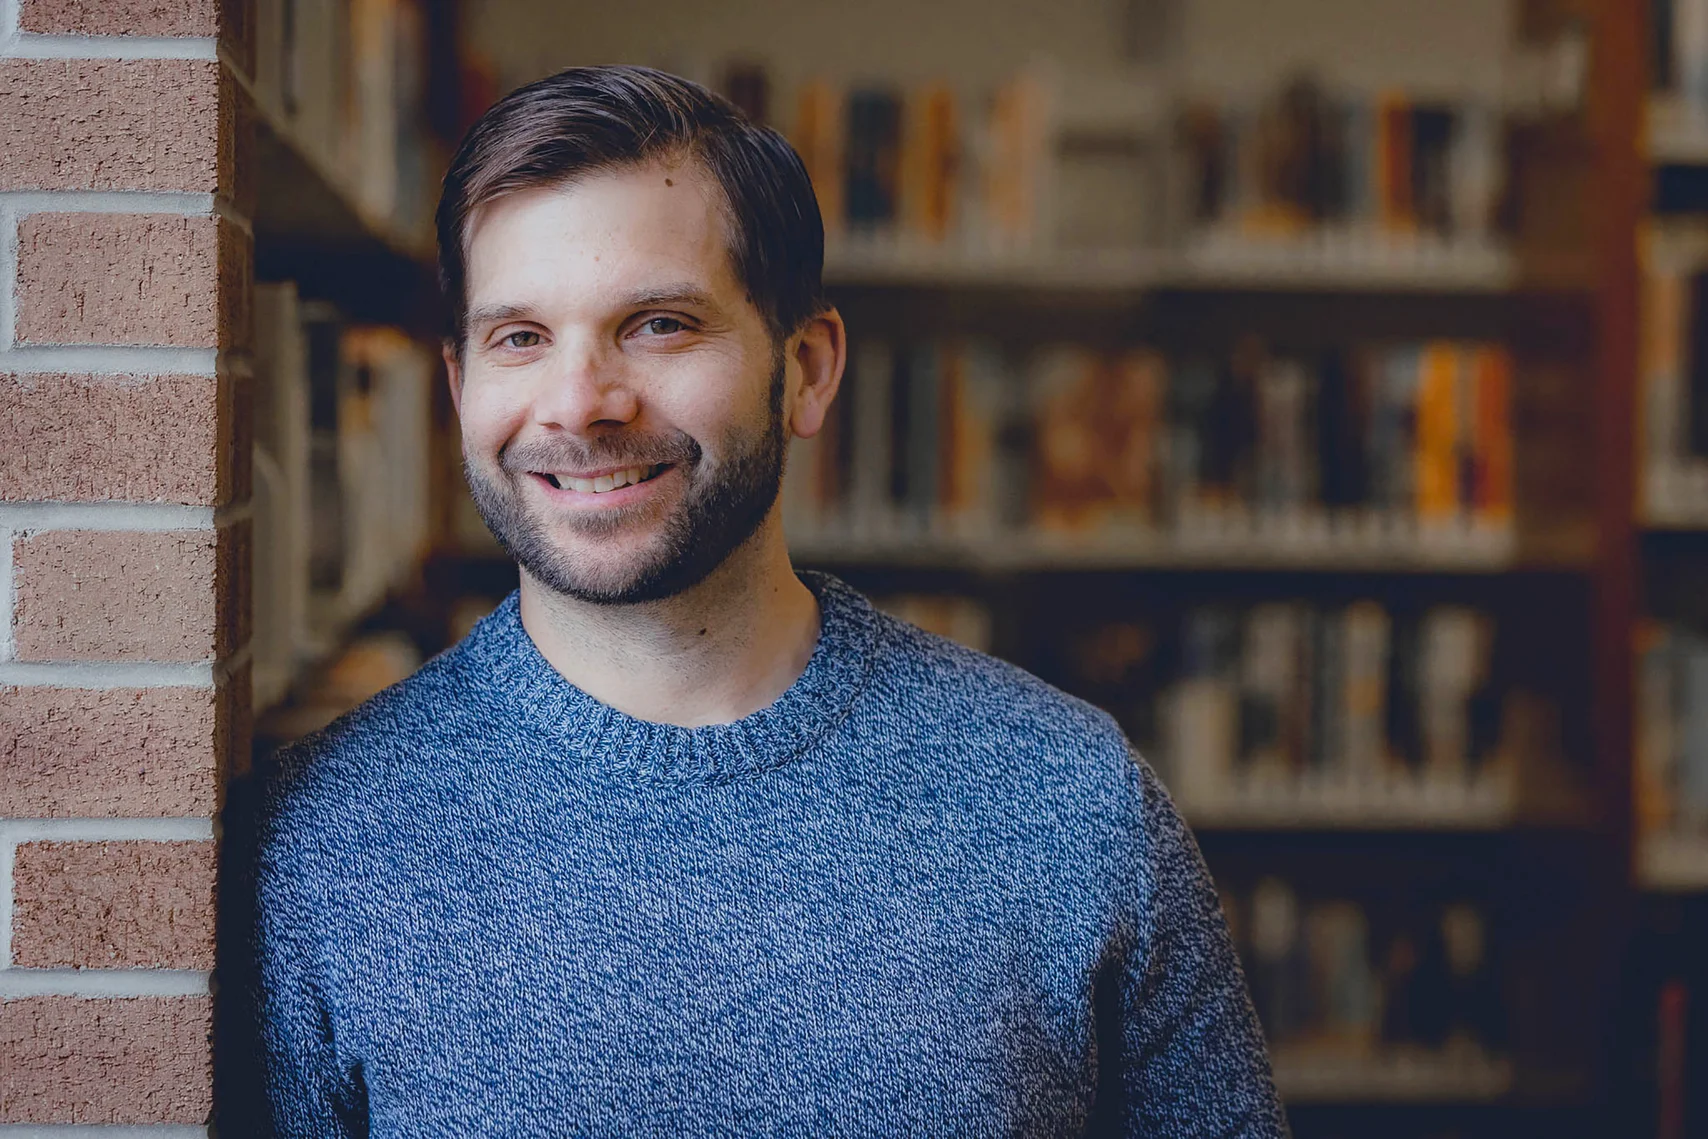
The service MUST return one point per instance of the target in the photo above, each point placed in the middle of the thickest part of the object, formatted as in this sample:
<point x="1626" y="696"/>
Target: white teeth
<point x="605" y="482"/>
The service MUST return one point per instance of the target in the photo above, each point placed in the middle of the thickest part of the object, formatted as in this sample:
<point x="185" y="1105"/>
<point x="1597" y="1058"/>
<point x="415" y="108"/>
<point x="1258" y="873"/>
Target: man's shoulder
<point x="377" y="743"/>
<point x="982" y="697"/>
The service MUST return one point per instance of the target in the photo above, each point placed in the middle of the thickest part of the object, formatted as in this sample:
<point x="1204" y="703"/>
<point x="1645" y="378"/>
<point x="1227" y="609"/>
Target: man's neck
<point x="713" y="654"/>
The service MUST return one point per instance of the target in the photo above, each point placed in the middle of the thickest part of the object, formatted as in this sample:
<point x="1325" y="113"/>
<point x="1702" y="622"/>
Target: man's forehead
<point x="629" y="228"/>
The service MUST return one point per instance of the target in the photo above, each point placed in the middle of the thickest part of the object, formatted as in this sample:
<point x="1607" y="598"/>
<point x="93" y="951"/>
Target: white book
<point x="1690" y="52"/>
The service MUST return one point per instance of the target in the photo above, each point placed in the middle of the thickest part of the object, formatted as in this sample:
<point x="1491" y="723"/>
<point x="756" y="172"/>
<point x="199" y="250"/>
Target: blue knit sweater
<point x="921" y="894"/>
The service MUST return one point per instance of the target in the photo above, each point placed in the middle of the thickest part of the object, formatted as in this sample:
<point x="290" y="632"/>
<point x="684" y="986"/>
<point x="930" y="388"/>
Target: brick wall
<point x="124" y="542"/>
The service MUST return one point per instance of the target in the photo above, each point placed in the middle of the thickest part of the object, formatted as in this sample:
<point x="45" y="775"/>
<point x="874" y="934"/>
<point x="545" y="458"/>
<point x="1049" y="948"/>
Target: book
<point x="930" y="164"/>
<point x="1392" y="182"/>
<point x="1365" y="644"/>
<point x="820" y="138"/>
<point x="1435" y="476"/>
<point x="1275" y="691"/>
<point x="1490" y="493"/>
<point x="873" y="180"/>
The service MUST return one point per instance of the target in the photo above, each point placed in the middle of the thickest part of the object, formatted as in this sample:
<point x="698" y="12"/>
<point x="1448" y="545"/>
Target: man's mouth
<point x="599" y="484"/>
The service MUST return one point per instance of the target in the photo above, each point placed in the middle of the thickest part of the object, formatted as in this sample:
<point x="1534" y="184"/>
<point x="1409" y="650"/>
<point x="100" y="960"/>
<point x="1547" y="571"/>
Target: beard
<point x="723" y="506"/>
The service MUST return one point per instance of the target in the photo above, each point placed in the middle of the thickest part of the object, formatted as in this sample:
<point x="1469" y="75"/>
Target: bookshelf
<point x="1190" y="291"/>
<point x="310" y="229"/>
<point x="1328" y="264"/>
<point x="1309" y="545"/>
<point x="1409" y="1079"/>
<point x="348" y="415"/>
<point x="1555" y="285"/>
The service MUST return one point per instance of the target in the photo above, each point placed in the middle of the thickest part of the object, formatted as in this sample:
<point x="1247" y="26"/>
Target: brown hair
<point x="586" y="119"/>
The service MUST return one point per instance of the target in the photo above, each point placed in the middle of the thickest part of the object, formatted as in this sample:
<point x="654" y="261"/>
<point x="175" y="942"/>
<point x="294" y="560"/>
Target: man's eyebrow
<point x="497" y="314"/>
<point x="685" y="295"/>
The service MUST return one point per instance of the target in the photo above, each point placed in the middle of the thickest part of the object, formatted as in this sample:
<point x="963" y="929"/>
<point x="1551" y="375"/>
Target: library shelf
<point x="310" y="230"/>
<point x="901" y="264"/>
<point x="1678" y="133"/>
<point x="1675" y="496"/>
<point x="1673" y="863"/>
<point x="1329" y="263"/>
<point x="1487" y="805"/>
<point x="1339" y="262"/>
<point x="1306" y="1075"/>
<point x="1328" y="549"/>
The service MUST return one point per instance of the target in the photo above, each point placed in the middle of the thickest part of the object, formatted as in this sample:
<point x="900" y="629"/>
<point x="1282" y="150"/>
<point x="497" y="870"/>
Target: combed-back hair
<point x="589" y="119"/>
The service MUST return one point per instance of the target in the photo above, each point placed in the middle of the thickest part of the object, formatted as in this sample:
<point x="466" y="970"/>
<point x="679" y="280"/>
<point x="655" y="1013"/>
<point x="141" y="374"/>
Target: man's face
<point x="621" y="398"/>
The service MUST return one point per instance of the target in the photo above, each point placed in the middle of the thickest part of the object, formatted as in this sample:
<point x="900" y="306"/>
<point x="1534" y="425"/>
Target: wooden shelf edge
<point x="1309" y="1076"/>
<point x="1327" y="265"/>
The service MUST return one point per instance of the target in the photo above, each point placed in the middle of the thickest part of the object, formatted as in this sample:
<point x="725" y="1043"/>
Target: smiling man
<point x="679" y="841"/>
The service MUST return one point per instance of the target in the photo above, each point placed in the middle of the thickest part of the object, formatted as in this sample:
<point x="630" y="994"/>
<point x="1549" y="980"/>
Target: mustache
<point x="568" y="453"/>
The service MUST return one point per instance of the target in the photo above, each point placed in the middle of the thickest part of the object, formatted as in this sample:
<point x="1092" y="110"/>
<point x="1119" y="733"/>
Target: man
<point x="677" y="841"/>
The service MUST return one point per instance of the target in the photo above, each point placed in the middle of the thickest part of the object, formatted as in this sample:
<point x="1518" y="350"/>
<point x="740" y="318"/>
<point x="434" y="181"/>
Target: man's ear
<point x="453" y="373"/>
<point x="821" y="352"/>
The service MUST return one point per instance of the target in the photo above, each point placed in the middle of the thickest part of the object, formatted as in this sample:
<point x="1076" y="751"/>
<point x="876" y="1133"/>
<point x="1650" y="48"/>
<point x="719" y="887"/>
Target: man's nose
<point x="589" y="387"/>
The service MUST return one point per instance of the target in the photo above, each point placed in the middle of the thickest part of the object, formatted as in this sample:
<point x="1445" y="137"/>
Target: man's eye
<point x="522" y="339"/>
<point x="663" y="325"/>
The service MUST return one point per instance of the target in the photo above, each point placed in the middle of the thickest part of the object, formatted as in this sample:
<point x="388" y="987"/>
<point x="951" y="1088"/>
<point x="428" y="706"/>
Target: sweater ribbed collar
<point x="644" y="751"/>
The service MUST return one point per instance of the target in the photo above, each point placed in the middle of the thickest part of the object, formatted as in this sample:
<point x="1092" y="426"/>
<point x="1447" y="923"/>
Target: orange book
<point x="1436" y="455"/>
<point x="1015" y="168"/>
<point x="1136" y="417"/>
<point x="930" y="159"/>
<point x="1394" y="206"/>
<point x="819" y="138"/>
<point x="1491" y="436"/>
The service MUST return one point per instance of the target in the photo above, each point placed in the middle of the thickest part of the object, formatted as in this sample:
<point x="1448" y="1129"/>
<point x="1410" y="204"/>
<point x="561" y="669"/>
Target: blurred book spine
<point x="1673" y="396"/>
<point x="1075" y="446"/>
<point x="1357" y="711"/>
<point x="1672" y="734"/>
<point x="1346" y="986"/>
<point x="349" y="82"/>
<point x="343" y="437"/>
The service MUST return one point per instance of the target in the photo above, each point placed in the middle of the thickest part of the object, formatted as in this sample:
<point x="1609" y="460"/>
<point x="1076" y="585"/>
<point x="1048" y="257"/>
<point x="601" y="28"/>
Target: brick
<point x="120" y="17"/>
<point x="71" y="1060"/>
<point x="113" y="905"/>
<point x="118" y="752"/>
<point x="74" y="438"/>
<point x="87" y="124"/>
<point x="159" y="279"/>
<point x="91" y="595"/>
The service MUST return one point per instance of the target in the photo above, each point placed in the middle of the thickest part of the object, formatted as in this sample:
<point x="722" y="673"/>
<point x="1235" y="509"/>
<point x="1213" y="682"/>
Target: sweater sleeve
<point x="307" y="1092"/>
<point x="1193" y="1061"/>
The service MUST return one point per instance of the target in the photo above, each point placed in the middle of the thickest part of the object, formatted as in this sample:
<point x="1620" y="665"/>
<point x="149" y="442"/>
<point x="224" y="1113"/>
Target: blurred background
<point x="1316" y="385"/>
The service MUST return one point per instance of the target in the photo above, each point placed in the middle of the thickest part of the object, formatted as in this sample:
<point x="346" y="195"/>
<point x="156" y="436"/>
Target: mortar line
<point x="189" y="204"/>
<point x="104" y="359"/>
<point x="105" y="674"/>
<point x="16" y="982"/>
<point x="8" y="593"/>
<point x="8" y="276"/>
<point x="36" y="45"/>
<point x="190" y="828"/>
<point x="103" y="1131"/>
<point x="8" y="25"/>
<point x="8" y="856"/>
<point x="26" y="517"/>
